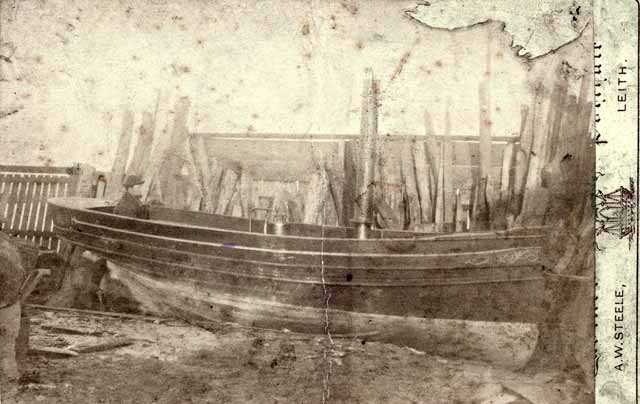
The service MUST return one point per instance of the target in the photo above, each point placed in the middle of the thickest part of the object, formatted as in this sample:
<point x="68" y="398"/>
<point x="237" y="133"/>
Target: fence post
<point x="83" y="178"/>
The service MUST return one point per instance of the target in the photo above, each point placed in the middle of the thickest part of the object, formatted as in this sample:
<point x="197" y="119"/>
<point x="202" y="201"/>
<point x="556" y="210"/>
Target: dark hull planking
<point x="495" y="277"/>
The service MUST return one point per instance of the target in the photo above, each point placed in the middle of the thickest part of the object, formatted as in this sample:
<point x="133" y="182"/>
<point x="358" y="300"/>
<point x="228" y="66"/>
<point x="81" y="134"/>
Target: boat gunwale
<point x="60" y="203"/>
<point x="294" y="252"/>
<point x="411" y="282"/>
<point x="281" y="264"/>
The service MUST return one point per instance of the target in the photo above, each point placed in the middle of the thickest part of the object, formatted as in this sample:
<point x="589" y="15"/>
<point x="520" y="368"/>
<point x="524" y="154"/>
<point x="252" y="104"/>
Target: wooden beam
<point x="485" y="129"/>
<point x="142" y="152"/>
<point x="460" y="212"/>
<point x="498" y="208"/>
<point x="177" y="171"/>
<point x="447" y="166"/>
<point x="483" y="190"/>
<point x="201" y="162"/>
<point x="228" y="188"/>
<point x="535" y="198"/>
<point x="246" y="193"/>
<point x="424" y="180"/>
<point x="369" y="151"/>
<point x="317" y="190"/>
<point x="557" y="112"/>
<point x="323" y="137"/>
<point x="409" y="181"/>
<point x="102" y="345"/>
<point x="440" y="193"/>
<point x="114" y="186"/>
<point x="432" y="152"/>
<point x="349" y="184"/>
<point x="480" y="211"/>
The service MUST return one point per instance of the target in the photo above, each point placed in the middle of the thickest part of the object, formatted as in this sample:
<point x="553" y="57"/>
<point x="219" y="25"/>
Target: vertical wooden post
<point x="83" y="183"/>
<point x="228" y="189"/>
<point x="316" y="195"/>
<point x="481" y="214"/>
<point x="440" y="198"/>
<point x="114" y="186"/>
<point x="142" y="152"/>
<point x="408" y="174"/>
<point x="460" y="214"/>
<point x="176" y="156"/>
<point x="499" y="211"/>
<point x="431" y="151"/>
<point x="368" y="159"/>
<point x="201" y="162"/>
<point x="349" y="186"/>
<point x="424" y="181"/>
<point x="535" y="198"/>
<point x="246" y="193"/>
<point x="447" y="166"/>
<point x="506" y="170"/>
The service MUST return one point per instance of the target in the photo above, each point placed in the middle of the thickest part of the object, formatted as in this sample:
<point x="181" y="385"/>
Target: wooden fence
<point x="24" y="191"/>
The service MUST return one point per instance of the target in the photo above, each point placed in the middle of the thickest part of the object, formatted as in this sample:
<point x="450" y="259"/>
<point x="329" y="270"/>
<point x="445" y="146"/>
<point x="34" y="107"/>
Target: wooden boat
<point x="316" y="279"/>
<point x="476" y="294"/>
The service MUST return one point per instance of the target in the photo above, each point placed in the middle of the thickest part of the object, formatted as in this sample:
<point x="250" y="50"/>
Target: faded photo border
<point x="534" y="31"/>
<point x="616" y="139"/>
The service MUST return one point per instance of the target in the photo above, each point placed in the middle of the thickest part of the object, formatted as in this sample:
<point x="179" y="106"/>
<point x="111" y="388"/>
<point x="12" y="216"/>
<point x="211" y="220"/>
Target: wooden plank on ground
<point x="51" y="352"/>
<point x="102" y="345"/>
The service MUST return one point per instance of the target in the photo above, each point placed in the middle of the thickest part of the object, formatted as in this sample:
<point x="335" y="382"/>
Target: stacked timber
<point x="161" y="156"/>
<point x="554" y="164"/>
<point x="415" y="186"/>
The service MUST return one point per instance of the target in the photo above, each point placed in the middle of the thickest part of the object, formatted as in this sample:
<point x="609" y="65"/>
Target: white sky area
<point x="297" y="67"/>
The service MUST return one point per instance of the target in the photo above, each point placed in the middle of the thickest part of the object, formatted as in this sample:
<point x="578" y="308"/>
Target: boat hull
<point x="393" y="288"/>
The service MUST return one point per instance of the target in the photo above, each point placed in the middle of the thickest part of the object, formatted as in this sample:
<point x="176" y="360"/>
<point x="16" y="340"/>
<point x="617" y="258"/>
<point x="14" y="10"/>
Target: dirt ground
<point x="172" y="362"/>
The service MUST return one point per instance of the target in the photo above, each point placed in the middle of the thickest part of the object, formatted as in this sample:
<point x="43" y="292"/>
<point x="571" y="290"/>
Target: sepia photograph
<point x="300" y="201"/>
